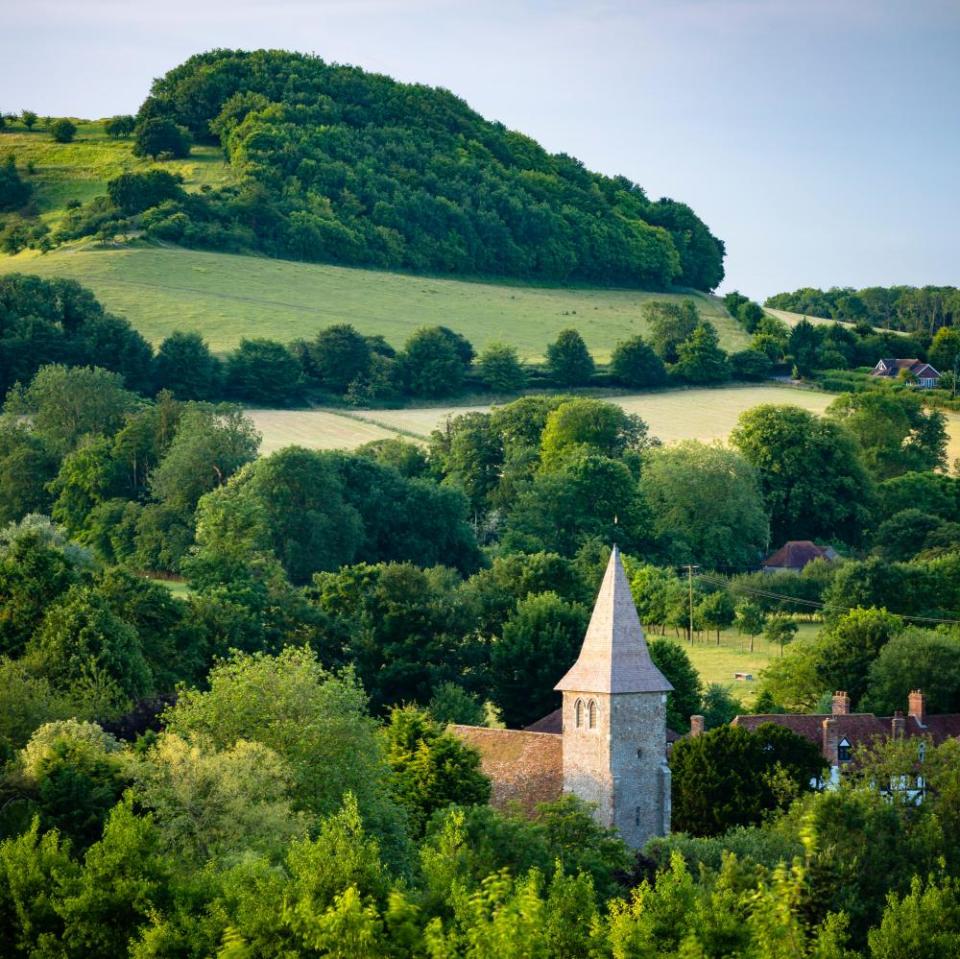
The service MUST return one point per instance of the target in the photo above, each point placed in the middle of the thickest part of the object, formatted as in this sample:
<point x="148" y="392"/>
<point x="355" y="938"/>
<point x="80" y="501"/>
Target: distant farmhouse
<point x="793" y="556"/>
<point x="608" y="745"/>
<point x="841" y="732"/>
<point x="923" y="373"/>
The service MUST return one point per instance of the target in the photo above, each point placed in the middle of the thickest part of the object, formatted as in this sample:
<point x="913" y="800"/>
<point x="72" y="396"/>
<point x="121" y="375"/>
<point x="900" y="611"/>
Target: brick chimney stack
<point x="916" y="707"/>
<point x="898" y="725"/>
<point x="841" y="703"/>
<point x="831" y="747"/>
<point x="696" y="725"/>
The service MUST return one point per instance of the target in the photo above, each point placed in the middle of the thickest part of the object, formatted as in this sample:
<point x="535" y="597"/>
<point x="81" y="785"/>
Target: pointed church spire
<point x="614" y="657"/>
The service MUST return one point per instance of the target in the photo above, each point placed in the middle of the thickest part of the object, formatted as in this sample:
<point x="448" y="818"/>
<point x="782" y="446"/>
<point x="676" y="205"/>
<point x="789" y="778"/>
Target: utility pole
<point x="690" y="568"/>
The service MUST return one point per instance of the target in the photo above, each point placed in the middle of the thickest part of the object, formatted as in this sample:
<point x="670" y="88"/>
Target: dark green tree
<point x="500" y="369"/>
<point x="119" y="126"/>
<point x="339" y="356"/>
<point x="265" y="372"/>
<point x="186" y="367"/>
<point x="684" y="701"/>
<point x="432" y="363"/>
<point x="700" y="359"/>
<point x="670" y="324"/>
<point x="158" y="136"/>
<point x="539" y="642"/>
<point x="915" y="659"/>
<point x="731" y="777"/>
<point x="569" y="363"/>
<point x="63" y="131"/>
<point x="635" y="364"/>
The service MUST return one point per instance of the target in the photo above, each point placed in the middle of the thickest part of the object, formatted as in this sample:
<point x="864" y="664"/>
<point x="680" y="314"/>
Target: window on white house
<point x="843" y="750"/>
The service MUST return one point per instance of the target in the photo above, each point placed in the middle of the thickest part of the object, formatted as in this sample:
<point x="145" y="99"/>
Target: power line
<point x="817" y="605"/>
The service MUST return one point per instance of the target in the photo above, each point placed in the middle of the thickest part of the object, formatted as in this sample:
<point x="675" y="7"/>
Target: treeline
<point x="333" y="164"/>
<point x="59" y="321"/>
<point x="912" y="309"/>
<point x="806" y="348"/>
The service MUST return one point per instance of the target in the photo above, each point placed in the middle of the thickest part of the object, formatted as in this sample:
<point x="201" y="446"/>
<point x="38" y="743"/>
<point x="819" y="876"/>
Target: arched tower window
<point x="578" y="713"/>
<point x="592" y="714"/>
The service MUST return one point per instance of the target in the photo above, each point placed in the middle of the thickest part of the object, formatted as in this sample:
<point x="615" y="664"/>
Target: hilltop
<point x="328" y="163"/>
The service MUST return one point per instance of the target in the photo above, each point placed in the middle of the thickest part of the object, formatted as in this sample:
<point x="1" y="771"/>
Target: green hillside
<point x="80" y="170"/>
<point x="228" y="297"/>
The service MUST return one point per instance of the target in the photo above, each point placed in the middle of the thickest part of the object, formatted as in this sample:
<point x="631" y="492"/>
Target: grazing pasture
<point x="228" y="297"/>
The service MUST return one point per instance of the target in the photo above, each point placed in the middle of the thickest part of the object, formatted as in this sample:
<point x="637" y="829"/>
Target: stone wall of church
<point x="619" y="764"/>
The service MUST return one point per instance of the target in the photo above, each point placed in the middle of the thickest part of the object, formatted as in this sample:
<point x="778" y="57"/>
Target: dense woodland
<point x="257" y="763"/>
<point x="336" y="165"/>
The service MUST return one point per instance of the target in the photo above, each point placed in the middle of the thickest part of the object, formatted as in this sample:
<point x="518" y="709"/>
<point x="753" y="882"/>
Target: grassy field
<point x="792" y="319"/>
<point x="706" y="414"/>
<point x="228" y="297"/>
<point x="718" y="664"/>
<point x="80" y="170"/>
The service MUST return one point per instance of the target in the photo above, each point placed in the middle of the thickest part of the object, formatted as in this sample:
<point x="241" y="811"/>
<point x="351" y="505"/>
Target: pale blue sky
<point x="819" y="138"/>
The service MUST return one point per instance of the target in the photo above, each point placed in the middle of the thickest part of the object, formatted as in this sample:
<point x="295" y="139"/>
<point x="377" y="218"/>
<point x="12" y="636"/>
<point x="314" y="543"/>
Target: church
<point x="607" y="744"/>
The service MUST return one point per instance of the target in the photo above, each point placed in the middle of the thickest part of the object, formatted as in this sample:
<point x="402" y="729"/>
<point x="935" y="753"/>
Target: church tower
<point x="615" y="719"/>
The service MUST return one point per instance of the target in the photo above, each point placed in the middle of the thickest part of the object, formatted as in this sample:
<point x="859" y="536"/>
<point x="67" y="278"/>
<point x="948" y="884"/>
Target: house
<point x="925" y="375"/>
<point x="607" y="744"/>
<point x="793" y="556"/>
<point x="839" y="733"/>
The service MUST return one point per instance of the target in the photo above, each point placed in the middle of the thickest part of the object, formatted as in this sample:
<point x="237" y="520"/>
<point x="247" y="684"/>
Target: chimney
<point x="898" y="725"/>
<point x="916" y="707"/>
<point x="831" y="750"/>
<point x="696" y="725"/>
<point x="841" y="703"/>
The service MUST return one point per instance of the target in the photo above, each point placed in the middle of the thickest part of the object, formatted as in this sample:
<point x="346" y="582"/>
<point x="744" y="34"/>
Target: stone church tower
<point x="615" y="719"/>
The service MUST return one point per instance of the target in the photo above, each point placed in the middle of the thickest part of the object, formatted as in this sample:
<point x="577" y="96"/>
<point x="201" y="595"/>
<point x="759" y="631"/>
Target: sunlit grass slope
<point x="228" y="297"/>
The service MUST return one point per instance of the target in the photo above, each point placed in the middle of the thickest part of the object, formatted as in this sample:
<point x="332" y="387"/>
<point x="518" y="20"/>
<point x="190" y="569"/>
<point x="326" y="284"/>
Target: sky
<point x="820" y="139"/>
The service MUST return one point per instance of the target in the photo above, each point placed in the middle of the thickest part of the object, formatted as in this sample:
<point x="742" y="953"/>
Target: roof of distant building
<point x="797" y="553"/>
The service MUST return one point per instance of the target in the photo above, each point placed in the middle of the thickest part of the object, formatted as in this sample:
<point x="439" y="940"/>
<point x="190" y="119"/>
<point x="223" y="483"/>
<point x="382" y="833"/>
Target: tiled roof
<point x="524" y="767"/>
<point x="614" y="657"/>
<point x="796" y="554"/>
<point x="856" y="728"/>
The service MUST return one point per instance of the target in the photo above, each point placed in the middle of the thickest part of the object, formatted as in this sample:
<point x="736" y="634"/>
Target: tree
<point x="290" y="503"/>
<point x="186" y="367"/>
<point x="749" y="619"/>
<point x="700" y="359"/>
<point x="812" y="479"/>
<point x="925" y="924"/>
<point x="339" y="356"/>
<point x="569" y="363"/>
<point x="63" y="131"/>
<point x="432" y="363"/>
<point x="216" y="805"/>
<point x="539" y="641"/>
<point x="405" y="629"/>
<point x="119" y="126"/>
<point x="670" y="324"/>
<point x="895" y="433"/>
<point x="684" y="700"/>
<point x="132" y="193"/>
<point x="716" y="611"/>
<point x="635" y="364"/>
<point x="26" y="466"/>
<point x="780" y="630"/>
<point x="210" y="445"/>
<point x="67" y="403"/>
<point x="80" y="639"/>
<point x="28" y="118"/>
<point x="706" y="505"/>
<point x="264" y="371"/>
<point x="156" y="137"/>
<point x="803" y="346"/>
<point x="589" y="427"/>
<point x="752" y="364"/>
<point x="500" y="369"/>
<point x="915" y="659"/>
<point x="308" y="717"/>
<point x="847" y="648"/>
<point x="431" y="768"/>
<point x="730" y="776"/>
<point x="14" y="190"/>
